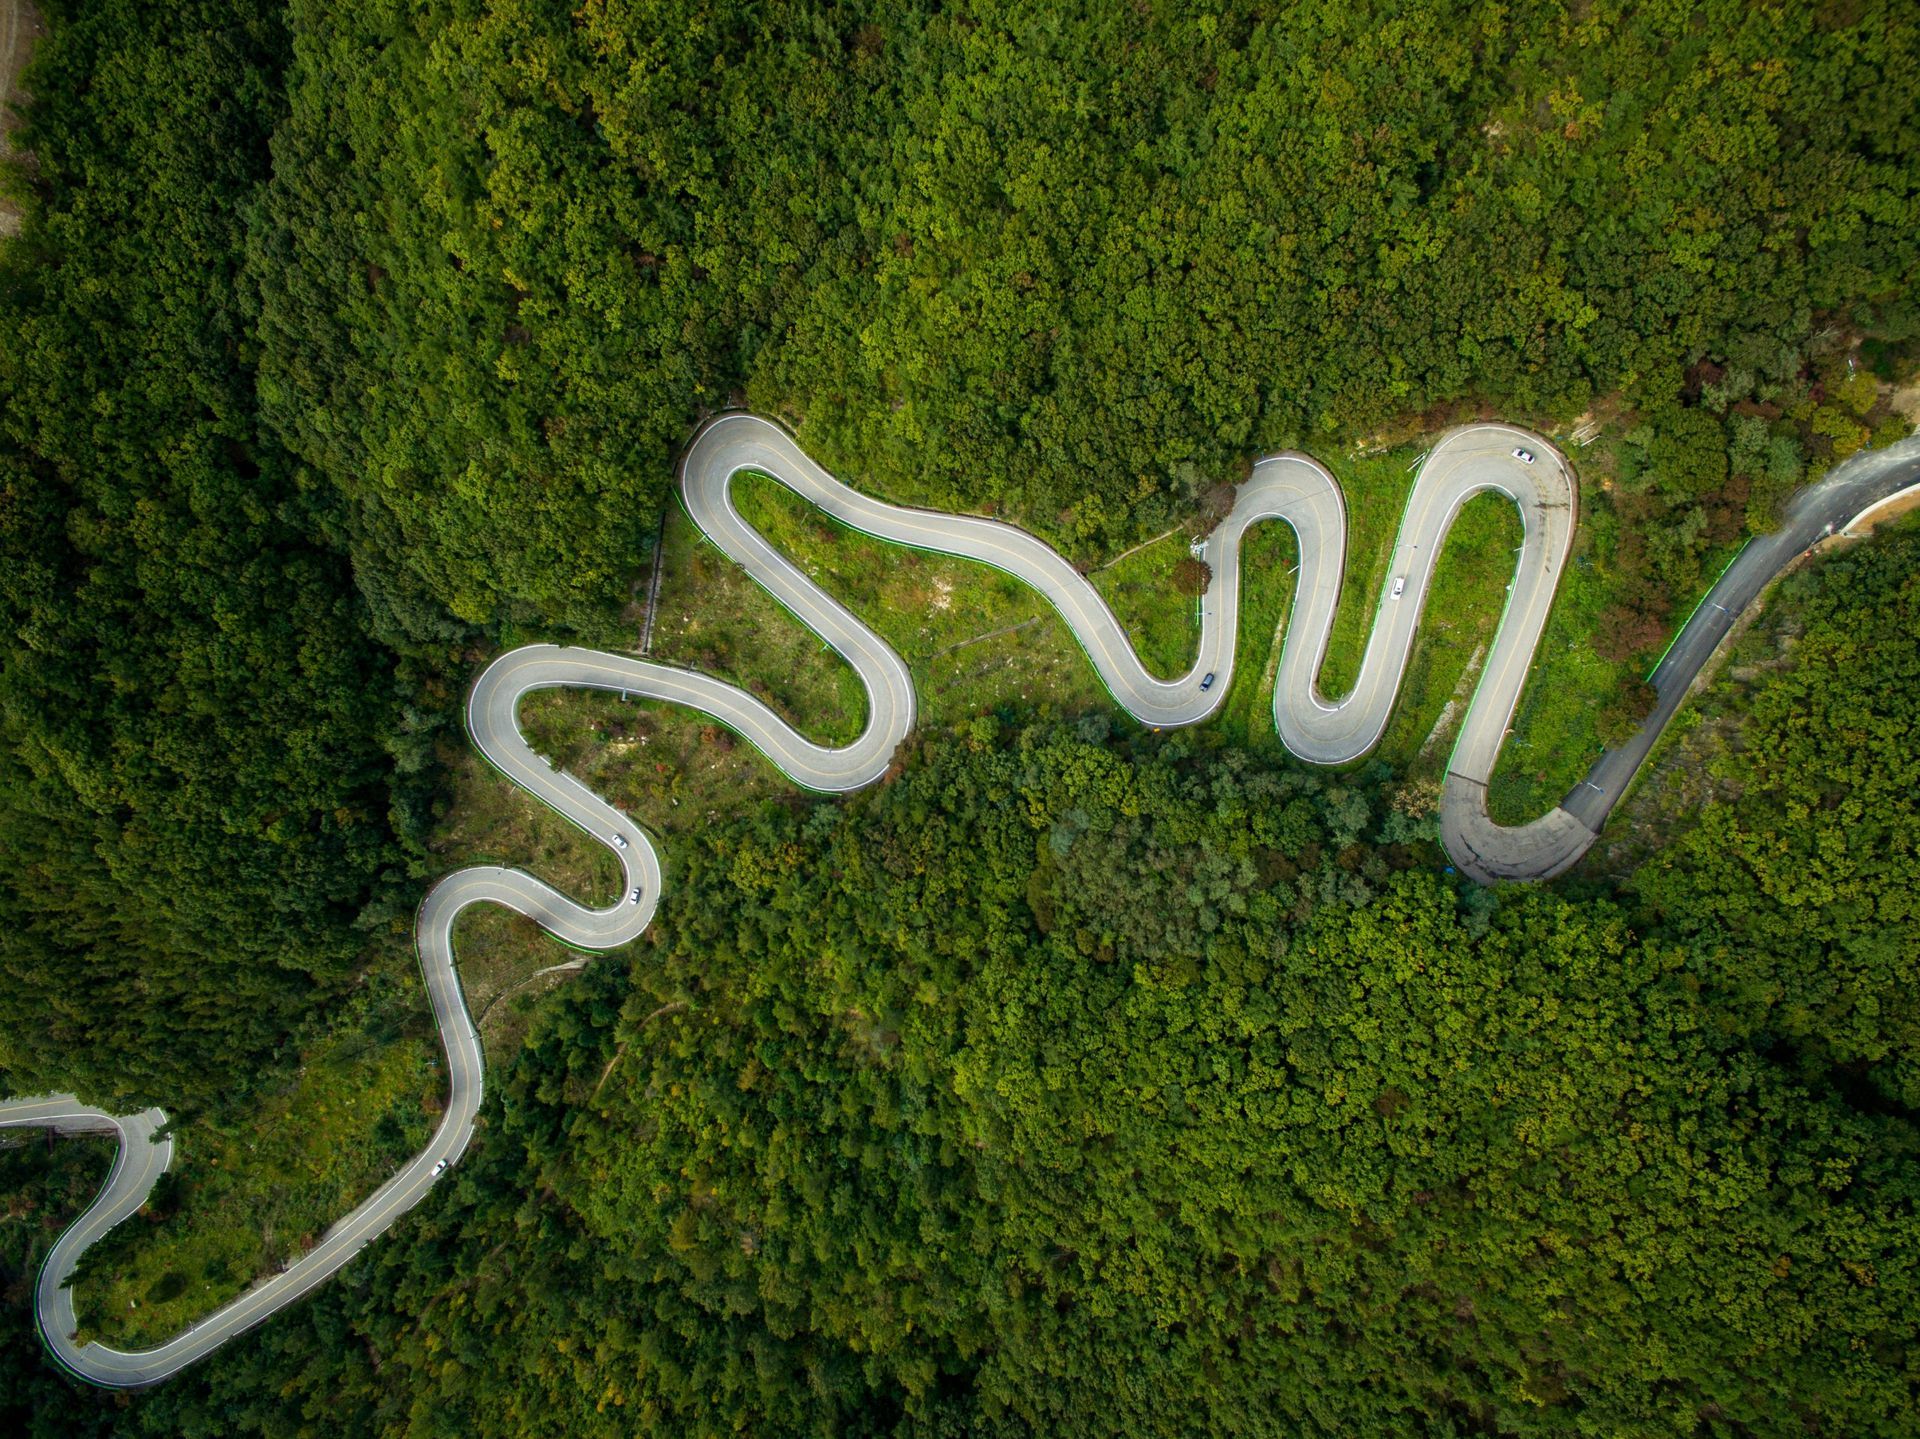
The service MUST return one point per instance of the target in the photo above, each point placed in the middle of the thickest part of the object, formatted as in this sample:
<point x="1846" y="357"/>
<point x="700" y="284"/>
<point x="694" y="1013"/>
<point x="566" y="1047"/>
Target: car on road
<point x="1207" y="683"/>
<point x="1399" y="586"/>
<point x="620" y="841"/>
<point x="440" y="1166"/>
<point x="634" y="898"/>
<point x="1525" y="457"/>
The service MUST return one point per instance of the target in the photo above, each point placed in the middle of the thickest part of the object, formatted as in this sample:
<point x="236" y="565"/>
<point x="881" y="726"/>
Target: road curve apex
<point x="1289" y="487"/>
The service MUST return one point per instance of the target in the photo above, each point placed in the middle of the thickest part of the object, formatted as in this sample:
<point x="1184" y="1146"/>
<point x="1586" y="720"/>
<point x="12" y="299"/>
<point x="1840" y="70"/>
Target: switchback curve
<point x="1288" y="487"/>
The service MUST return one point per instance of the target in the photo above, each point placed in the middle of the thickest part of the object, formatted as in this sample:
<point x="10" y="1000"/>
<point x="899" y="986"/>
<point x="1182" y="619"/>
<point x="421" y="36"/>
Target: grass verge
<point x="976" y="639"/>
<point x="1555" y="738"/>
<point x="1269" y="555"/>
<point x="712" y="617"/>
<point x="1457" y="628"/>
<point x="1375" y="488"/>
<point x="1163" y="625"/>
<point x="258" y="1182"/>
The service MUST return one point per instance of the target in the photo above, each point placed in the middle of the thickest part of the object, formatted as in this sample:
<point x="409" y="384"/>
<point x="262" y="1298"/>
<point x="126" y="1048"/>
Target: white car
<point x="1525" y="457"/>
<point x="1399" y="586"/>
<point x="438" y="1168"/>
<point x="634" y="898"/>
<point x="619" y="841"/>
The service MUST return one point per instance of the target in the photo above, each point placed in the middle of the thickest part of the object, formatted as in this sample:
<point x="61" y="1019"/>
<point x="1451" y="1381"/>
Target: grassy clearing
<point x="1555" y="740"/>
<point x="506" y="964"/>
<point x="1268" y="557"/>
<point x="1376" y="489"/>
<point x="1163" y="625"/>
<point x="1462" y="614"/>
<point x="673" y="769"/>
<point x="712" y="617"/>
<point x="976" y="639"/>
<point x="258" y="1183"/>
<point x="493" y="822"/>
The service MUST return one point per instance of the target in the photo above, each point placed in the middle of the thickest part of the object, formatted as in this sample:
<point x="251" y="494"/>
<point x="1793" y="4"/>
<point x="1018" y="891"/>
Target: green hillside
<point x="1076" y="1079"/>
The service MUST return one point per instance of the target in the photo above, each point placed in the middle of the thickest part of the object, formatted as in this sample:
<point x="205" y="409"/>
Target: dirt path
<point x="20" y="28"/>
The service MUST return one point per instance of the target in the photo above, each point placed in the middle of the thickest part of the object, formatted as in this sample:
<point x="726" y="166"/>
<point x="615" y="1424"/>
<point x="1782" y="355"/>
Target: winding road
<point x="1290" y="488"/>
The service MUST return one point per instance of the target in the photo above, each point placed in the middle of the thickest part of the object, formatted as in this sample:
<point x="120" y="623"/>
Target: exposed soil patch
<point x="1904" y="401"/>
<point x="20" y="30"/>
<point x="1462" y="695"/>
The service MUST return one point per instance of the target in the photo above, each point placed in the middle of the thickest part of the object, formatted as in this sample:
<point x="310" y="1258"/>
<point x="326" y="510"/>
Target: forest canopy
<point x="196" y="724"/>
<point x="1076" y="1079"/>
<point x="1073" y="1086"/>
<point x="1075" y="262"/>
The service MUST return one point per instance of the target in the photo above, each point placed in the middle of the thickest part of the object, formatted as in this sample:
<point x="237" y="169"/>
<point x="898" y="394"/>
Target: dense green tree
<point x="1799" y="892"/>
<point x="44" y="1184"/>
<point x="1065" y="1084"/>
<point x="1057" y="1090"/>
<point x="194" y="784"/>
<point x="1076" y="263"/>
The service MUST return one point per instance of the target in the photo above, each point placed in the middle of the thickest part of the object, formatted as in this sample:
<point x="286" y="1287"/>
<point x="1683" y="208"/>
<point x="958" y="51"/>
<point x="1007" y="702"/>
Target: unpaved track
<point x="20" y="29"/>
<point x="1291" y="488"/>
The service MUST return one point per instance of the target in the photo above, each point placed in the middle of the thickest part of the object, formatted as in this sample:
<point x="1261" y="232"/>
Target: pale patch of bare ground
<point x="1905" y="402"/>
<point x="20" y="29"/>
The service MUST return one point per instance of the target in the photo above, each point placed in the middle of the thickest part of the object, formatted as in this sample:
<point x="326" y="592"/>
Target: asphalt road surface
<point x="1289" y="488"/>
<point x="1812" y="515"/>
